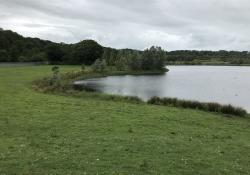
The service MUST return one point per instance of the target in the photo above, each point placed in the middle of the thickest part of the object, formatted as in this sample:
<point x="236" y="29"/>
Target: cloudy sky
<point x="172" y="24"/>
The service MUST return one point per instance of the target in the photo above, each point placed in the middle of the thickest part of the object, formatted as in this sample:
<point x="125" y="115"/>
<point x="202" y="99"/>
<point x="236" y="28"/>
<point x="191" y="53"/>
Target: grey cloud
<point x="173" y="24"/>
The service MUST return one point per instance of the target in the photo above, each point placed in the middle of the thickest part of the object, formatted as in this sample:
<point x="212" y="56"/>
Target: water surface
<point x="222" y="84"/>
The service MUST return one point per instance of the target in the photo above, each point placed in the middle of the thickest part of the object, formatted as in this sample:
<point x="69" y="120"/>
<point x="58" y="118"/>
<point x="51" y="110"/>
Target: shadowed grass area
<point x="58" y="134"/>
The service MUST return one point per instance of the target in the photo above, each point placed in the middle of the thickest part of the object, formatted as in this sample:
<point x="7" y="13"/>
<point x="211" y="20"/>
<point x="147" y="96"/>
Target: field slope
<point x="52" y="134"/>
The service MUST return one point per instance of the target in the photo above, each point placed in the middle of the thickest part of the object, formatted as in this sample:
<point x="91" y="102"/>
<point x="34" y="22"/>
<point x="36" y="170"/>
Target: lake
<point x="222" y="84"/>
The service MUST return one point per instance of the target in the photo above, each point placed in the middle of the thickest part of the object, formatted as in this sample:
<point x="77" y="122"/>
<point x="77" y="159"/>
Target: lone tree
<point x="153" y="58"/>
<point x="87" y="51"/>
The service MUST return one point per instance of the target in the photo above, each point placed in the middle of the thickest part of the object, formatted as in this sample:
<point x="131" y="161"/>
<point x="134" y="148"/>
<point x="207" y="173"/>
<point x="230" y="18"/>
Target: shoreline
<point x="68" y="87"/>
<point x="240" y="65"/>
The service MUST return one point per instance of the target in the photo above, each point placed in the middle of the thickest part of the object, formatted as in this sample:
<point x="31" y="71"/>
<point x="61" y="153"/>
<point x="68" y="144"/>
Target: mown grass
<point x="61" y="134"/>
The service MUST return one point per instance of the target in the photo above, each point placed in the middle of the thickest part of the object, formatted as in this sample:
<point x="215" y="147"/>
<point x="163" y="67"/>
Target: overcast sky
<point x="137" y="24"/>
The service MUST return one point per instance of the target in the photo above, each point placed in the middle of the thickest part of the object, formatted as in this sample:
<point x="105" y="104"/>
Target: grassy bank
<point x="55" y="134"/>
<point x="211" y="107"/>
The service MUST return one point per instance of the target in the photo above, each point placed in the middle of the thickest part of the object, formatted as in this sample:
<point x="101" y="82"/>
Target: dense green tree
<point x="106" y="54"/>
<point x="54" y="54"/>
<point x="4" y="57"/>
<point x="87" y="51"/>
<point x="121" y="63"/>
<point x="153" y="58"/>
<point x="135" y="61"/>
<point x="19" y="48"/>
<point x="40" y="56"/>
<point x="113" y="58"/>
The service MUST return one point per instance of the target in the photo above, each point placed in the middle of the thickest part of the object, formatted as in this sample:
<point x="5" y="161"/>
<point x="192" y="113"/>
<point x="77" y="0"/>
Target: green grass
<point x="52" y="134"/>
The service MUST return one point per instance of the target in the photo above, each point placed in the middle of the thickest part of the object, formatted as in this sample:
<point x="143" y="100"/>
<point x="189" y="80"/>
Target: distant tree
<point x="147" y="60"/>
<point x="4" y="56"/>
<point x="159" y="56"/>
<point x="68" y="57"/>
<point x="135" y="61"/>
<point x="54" y="54"/>
<point x="153" y="59"/>
<point x="121" y="63"/>
<point x="40" y="56"/>
<point x="106" y="54"/>
<point x="99" y="65"/>
<point x="87" y="51"/>
<point x="14" y="53"/>
<point x="22" y="58"/>
<point x="113" y="57"/>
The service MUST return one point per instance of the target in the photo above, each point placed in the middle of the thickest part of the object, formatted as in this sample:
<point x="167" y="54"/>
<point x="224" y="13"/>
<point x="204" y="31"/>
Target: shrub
<point x="213" y="107"/>
<point x="229" y="109"/>
<point x="55" y="80"/>
<point x="169" y="101"/>
<point x="133" y="99"/>
<point x="240" y="112"/>
<point x="155" y="101"/>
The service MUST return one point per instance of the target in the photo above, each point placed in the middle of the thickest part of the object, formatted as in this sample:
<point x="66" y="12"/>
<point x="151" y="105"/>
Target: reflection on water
<point x="223" y="84"/>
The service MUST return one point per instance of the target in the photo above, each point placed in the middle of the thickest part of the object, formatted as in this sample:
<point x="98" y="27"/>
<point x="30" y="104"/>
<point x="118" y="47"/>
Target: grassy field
<point x="52" y="134"/>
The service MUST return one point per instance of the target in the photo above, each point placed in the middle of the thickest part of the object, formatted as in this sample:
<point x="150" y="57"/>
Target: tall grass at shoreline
<point x="211" y="107"/>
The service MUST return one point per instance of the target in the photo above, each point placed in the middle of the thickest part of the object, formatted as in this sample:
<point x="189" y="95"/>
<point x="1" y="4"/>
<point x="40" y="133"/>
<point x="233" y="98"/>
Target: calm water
<point x="223" y="84"/>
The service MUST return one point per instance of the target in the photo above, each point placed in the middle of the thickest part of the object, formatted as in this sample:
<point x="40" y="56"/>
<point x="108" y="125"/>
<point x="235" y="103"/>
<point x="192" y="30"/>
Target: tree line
<point x="197" y="57"/>
<point x="16" y="48"/>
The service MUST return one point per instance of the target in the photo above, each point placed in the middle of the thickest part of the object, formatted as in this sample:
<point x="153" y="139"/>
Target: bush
<point x="55" y="79"/>
<point x="229" y="109"/>
<point x="212" y="107"/>
<point x="133" y="99"/>
<point x="155" y="101"/>
<point x="169" y="101"/>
